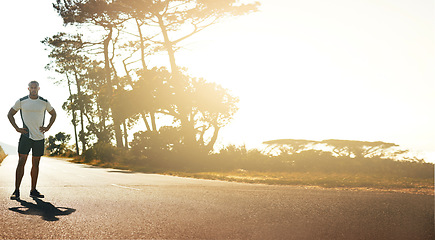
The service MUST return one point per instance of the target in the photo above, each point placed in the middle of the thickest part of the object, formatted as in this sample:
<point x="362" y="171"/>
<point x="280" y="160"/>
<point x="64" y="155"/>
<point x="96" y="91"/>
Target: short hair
<point x="34" y="82"/>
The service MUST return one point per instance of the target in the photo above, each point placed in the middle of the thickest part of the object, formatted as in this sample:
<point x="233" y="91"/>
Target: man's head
<point x="33" y="88"/>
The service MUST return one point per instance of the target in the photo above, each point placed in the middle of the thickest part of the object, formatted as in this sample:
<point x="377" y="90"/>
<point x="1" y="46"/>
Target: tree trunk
<point x="146" y="122"/>
<point x="108" y="80"/>
<point x="213" y="139"/>
<point x="125" y="134"/>
<point x="153" y="121"/>
<point x="142" y="46"/>
<point x="118" y="132"/>
<point x="201" y="137"/>
<point x="74" y="117"/>
<point x="144" y="66"/>
<point x="168" y="45"/>
<point x="107" y="70"/>
<point x="80" y="102"/>
<point x="188" y="132"/>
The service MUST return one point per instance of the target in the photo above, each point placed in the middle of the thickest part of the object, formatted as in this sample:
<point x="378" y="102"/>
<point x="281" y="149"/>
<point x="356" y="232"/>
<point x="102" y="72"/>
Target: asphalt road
<point x="83" y="202"/>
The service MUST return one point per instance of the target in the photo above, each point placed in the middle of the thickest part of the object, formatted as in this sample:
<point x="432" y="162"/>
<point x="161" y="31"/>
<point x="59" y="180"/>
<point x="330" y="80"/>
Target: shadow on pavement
<point x="46" y="210"/>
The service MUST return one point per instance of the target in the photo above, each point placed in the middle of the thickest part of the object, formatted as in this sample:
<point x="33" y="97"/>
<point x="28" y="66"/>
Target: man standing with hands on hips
<point x="32" y="109"/>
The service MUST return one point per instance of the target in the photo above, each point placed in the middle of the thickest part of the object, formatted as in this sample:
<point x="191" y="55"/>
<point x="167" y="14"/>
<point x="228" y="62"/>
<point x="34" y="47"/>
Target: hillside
<point x="2" y="154"/>
<point x="8" y="149"/>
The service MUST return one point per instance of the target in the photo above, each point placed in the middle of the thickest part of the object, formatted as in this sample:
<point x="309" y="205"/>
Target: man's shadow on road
<point x="46" y="210"/>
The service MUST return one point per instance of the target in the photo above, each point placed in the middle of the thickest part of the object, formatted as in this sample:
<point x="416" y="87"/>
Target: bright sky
<point x="314" y="69"/>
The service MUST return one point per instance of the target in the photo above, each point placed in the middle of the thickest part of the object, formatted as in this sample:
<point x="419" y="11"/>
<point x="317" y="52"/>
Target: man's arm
<point x="11" y="118"/>
<point x="52" y="119"/>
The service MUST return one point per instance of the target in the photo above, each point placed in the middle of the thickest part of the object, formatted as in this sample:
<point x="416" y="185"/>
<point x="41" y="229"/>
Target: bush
<point x="151" y="153"/>
<point x="233" y="158"/>
<point x="57" y="145"/>
<point x="101" y="151"/>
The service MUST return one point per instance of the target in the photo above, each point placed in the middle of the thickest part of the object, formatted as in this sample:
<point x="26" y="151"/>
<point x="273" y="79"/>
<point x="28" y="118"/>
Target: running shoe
<point x="35" y="193"/>
<point x="15" y="195"/>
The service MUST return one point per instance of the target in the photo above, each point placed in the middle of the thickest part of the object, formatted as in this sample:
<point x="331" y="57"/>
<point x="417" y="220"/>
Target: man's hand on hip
<point x="44" y="129"/>
<point x="22" y="130"/>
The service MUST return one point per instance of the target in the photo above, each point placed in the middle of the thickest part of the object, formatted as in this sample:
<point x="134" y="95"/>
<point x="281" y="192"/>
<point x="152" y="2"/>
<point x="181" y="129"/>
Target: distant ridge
<point x="8" y="149"/>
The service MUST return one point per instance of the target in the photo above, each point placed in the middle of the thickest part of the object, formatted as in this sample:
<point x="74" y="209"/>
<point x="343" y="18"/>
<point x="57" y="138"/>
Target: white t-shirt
<point x="33" y="115"/>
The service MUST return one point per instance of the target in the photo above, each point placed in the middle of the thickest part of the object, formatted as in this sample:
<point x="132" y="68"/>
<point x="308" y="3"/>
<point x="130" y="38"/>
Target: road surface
<point x="83" y="202"/>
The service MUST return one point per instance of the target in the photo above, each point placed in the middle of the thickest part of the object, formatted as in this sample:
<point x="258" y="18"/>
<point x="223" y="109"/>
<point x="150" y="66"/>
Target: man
<point x="32" y="109"/>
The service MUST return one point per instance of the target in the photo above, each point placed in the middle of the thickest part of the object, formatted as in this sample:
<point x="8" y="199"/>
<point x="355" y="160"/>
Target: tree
<point x="156" y="144"/>
<point x="178" y="20"/>
<point x="105" y="14"/>
<point x="290" y="146"/>
<point x="348" y="148"/>
<point x="181" y="18"/>
<point x="67" y="60"/>
<point x="200" y="107"/>
<point x="96" y="103"/>
<point x="57" y="145"/>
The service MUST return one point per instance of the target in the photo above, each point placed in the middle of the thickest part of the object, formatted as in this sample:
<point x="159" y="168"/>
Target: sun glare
<point x="342" y="77"/>
<point x="353" y="70"/>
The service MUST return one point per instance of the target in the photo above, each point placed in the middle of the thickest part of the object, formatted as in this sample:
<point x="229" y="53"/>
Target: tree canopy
<point x="103" y="61"/>
<point x="349" y="148"/>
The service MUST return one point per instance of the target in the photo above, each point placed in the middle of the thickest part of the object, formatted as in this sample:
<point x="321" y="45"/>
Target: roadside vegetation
<point x="3" y="155"/>
<point x="322" y="180"/>
<point x="110" y="59"/>
<point x="286" y="166"/>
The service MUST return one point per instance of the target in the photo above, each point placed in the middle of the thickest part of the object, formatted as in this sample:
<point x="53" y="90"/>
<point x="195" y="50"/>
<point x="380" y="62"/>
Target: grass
<point x="305" y="179"/>
<point x="323" y="180"/>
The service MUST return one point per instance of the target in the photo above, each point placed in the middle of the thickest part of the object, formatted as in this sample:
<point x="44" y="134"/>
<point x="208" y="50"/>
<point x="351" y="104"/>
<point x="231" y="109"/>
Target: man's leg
<point x="24" y="146"/>
<point x="35" y="171"/>
<point x="37" y="152"/>
<point x="22" y="159"/>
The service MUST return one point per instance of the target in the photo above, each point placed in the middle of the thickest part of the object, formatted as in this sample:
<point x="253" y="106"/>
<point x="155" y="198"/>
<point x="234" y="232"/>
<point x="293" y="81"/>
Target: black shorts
<point x="25" y="144"/>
